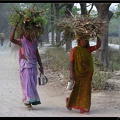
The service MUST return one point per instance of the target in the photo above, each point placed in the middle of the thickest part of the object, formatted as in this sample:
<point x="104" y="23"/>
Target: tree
<point x="67" y="14"/>
<point x="83" y="8"/>
<point x="105" y="15"/>
<point x="52" y="22"/>
<point x="58" y="6"/>
<point x="5" y="9"/>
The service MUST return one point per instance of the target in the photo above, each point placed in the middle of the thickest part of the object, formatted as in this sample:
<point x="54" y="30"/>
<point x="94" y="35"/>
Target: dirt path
<point x="52" y="95"/>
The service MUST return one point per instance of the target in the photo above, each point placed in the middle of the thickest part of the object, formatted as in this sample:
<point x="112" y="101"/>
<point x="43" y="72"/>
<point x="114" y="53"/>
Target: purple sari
<point x="28" y="72"/>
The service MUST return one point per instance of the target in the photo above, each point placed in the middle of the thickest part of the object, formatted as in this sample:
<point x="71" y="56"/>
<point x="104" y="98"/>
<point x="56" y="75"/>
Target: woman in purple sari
<point x="28" y="59"/>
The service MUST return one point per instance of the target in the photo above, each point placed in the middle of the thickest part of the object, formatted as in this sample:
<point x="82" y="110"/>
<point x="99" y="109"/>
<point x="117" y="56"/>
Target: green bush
<point x="60" y="62"/>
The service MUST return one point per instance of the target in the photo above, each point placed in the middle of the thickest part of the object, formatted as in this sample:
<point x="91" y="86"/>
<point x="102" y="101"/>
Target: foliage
<point x="75" y="10"/>
<point x="4" y="13"/>
<point x="114" y="59"/>
<point x="117" y="11"/>
<point x="113" y="27"/>
<point x="29" y="21"/>
<point x="99" y="79"/>
<point x="59" y="61"/>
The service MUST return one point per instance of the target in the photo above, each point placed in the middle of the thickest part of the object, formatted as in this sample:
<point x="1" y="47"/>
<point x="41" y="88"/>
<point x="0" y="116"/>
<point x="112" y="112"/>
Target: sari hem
<point x="80" y="108"/>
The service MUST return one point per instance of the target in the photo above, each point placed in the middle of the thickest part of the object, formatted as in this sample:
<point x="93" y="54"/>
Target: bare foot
<point x="28" y="106"/>
<point x="69" y="108"/>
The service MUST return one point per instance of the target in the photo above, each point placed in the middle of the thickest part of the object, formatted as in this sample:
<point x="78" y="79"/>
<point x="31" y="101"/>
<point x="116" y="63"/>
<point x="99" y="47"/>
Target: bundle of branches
<point x="29" y="21"/>
<point x="80" y="26"/>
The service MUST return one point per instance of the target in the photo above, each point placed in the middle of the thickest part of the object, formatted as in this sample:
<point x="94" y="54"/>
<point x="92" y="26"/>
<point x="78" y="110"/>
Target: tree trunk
<point x="46" y="34"/>
<point x="83" y="8"/>
<point x="68" y="45"/>
<point x="52" y="21"/>
<point x="57" y="30"/>
<point x="67" y="14"/>
<point x="105" y="15"/>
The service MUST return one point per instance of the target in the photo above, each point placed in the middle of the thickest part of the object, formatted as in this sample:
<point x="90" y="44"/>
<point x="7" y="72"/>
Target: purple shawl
<point x="30" y="53"/>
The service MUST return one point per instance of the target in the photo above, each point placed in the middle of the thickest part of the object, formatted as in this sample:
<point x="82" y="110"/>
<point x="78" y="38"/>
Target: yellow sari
<point x="80" y="97"/>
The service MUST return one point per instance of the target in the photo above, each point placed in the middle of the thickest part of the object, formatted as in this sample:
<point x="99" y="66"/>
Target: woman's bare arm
<point x="39" y="62"/>
<point x="71" y="71"/>
<point x="12" y="39"/>
<point x="12" y="35"/>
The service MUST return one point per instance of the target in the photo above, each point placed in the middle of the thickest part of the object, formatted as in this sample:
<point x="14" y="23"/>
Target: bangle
<point x="13" y="28"/>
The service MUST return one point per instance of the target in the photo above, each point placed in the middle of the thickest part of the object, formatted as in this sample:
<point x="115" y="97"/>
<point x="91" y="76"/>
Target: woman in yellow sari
<point x="81" y="72"/>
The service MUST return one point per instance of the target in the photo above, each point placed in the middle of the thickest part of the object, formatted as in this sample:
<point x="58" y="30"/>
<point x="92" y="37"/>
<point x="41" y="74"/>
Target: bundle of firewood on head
<point x="88" y="26"/>
<point x="29" y="21"/>
<point x="75" y="27"/>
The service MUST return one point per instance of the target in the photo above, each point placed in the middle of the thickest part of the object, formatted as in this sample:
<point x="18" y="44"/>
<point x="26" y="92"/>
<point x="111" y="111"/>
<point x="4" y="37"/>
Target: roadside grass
<point x="114" y="40"/>
<point x="58" y="60"/>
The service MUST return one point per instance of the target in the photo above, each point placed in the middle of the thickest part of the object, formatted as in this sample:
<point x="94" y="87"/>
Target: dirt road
<point x="52" y="95"/>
